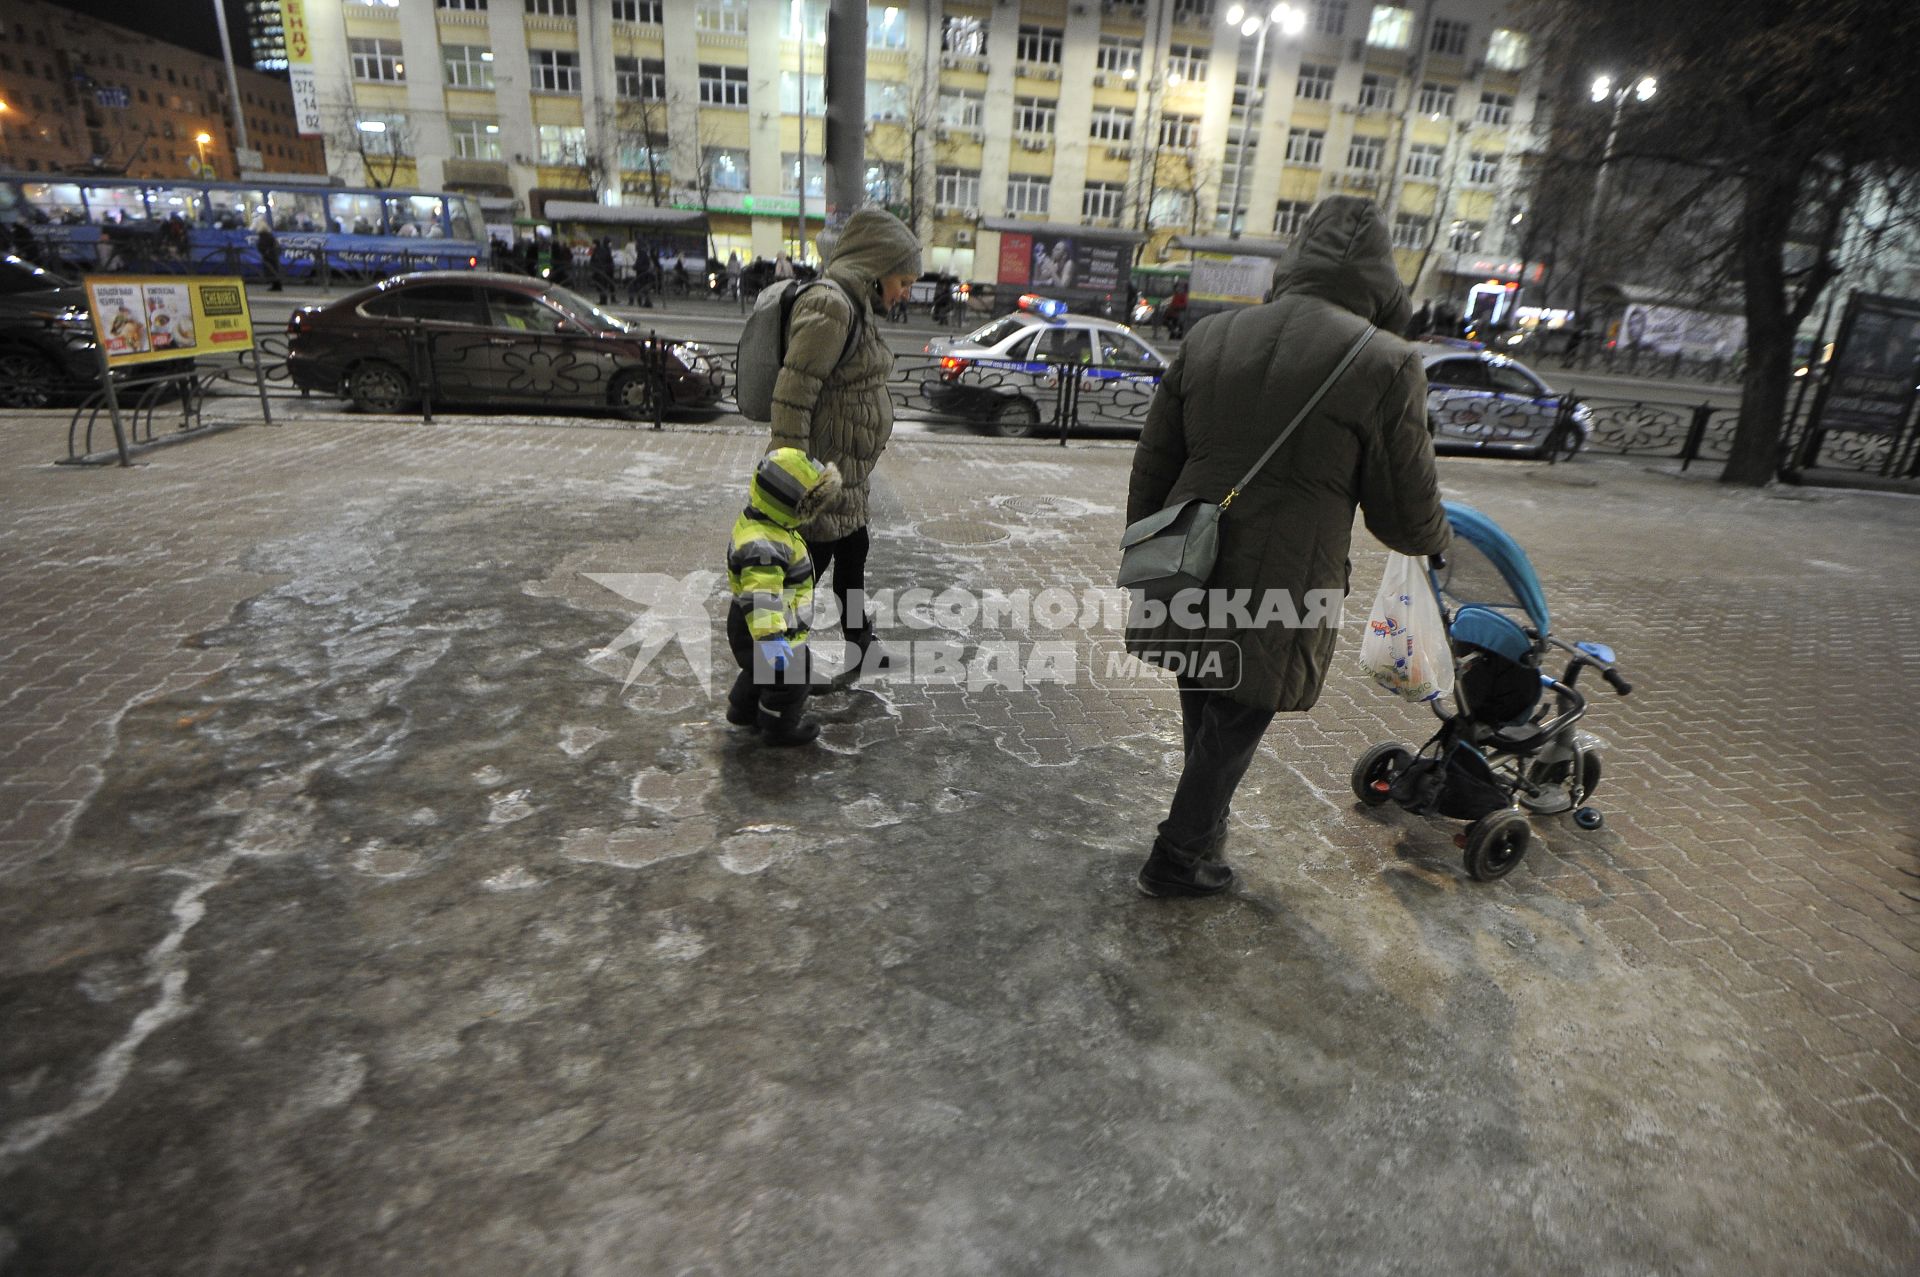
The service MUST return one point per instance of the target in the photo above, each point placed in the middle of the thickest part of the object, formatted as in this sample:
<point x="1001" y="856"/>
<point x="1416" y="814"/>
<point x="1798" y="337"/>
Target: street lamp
<point x="200" y="141"/>
<point x="1291" y="21"/>
<point x="1620" y="91"/>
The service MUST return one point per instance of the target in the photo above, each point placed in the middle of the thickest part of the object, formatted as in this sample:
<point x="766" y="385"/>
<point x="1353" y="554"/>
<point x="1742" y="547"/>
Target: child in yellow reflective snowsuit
<point x="771" y="575"/>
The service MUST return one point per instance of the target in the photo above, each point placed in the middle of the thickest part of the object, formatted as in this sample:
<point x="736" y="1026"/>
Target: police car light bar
<point x="1045" y="307"/>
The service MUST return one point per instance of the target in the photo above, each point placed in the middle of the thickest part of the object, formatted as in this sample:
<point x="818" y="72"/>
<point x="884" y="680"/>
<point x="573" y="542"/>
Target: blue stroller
<point x="1509" y="747"/>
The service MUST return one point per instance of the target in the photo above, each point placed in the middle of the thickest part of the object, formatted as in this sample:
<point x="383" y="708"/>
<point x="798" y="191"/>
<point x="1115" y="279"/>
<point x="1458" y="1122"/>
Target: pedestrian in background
<point x="1237" y="381"/>
<point x="269" y="250"/>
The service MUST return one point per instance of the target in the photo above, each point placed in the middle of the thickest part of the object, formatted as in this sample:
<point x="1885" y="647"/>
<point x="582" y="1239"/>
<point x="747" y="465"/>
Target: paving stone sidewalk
<point x="357" y="917"/>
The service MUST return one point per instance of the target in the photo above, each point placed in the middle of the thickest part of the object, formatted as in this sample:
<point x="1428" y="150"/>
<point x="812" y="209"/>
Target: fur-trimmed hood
<point x="790" y="488"/>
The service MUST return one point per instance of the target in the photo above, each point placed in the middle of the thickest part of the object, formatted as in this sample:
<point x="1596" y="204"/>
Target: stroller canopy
<point x="1467" y="582"/>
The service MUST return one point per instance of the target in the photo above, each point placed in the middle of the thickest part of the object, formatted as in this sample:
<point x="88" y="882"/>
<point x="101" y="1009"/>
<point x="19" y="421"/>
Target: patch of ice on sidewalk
<point x="576" y="740"/>
<point x="631" y="847"/>
<point x="504" y="809"/>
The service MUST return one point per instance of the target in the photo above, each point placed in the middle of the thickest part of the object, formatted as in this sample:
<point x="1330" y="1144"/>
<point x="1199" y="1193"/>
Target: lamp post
<point x="1604" y="88"/>
<point x="200" y="141"/>
<point x="1291" y="21"/>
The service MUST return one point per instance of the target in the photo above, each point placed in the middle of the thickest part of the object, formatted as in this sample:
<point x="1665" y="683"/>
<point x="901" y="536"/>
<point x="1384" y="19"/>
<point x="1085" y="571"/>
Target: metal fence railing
<point x="430" y="370"/>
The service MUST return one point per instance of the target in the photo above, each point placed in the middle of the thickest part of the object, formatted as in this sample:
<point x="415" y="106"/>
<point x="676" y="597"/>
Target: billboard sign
<point x="140" y="320"/>
<point x="1239" y="280"/>
<point x="300" y="73"/>
<point x="1016" y="259"/>
<point x="1870" y="381"/>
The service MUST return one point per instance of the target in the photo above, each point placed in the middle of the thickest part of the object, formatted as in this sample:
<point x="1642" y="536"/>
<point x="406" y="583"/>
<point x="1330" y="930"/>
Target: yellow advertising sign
<point x="144" y="319"/>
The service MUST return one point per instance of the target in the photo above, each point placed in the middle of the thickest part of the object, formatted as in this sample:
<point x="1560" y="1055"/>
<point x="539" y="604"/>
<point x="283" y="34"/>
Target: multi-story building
<point x="266" y="35"/>
<point x="1130" y="113"/>
<point x="85" y="96"/>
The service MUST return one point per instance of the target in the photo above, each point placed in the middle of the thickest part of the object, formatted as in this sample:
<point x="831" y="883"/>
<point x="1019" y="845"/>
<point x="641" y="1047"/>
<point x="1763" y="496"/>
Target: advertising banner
<point x="306" y="85"/>
<point x="1016" y="258"/>
<point x="1869" y="385"/>
<point x="141" y="320"/>
<point x="1676" y="330"/>
<point x="1238" y="280"/>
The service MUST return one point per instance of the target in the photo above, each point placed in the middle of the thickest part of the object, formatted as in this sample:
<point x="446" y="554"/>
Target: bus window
<point x="111" y="205"/>
<point x="354" y="214"/>
<point x="229" y="209"/>
<point x="166" y="201"/>
<point x="298" y="210"/>
<point x="415" y="215"/>
<point x="466" y="217"/>
<point x="55" y="202"/>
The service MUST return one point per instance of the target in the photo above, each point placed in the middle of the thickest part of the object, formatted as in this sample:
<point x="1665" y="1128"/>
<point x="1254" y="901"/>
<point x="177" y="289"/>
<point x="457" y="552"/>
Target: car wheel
<point x="27" y="379"/>
<point x="634" y="393"/>
<point x="1014" y="417"/>
<point x="379" y="387"/>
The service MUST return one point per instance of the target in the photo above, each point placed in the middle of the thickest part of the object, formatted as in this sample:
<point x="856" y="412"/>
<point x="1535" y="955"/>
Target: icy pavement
<point x="360" y="917"/>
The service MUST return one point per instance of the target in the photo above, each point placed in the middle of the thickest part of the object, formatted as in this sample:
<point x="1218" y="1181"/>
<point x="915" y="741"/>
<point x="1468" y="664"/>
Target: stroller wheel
<point x="1589" y="818"/>
<point x="1496" y="843"/>
<point x="1374" y="774"/>
<point x="1589" y="775"/>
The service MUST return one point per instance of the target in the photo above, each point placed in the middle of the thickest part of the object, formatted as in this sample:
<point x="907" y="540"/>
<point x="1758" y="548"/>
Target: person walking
<point x="600" y="266"/>
<point x="269" y="250"/>
<point x="830" y="400"/>
<point x="1238" y="380"/>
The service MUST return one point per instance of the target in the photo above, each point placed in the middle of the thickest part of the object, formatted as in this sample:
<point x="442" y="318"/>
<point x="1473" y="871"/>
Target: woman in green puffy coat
<point x="830" y="400"/>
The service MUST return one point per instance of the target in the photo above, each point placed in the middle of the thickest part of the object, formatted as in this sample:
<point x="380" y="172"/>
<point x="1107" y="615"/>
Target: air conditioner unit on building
<point x="1119" y="152"/>
<point x="1348" y="108"/>
<point x="970" y="214"/>
<point x="1033" y="144"/>
<point x="942" y="134"/>
<point x="1099" y="79"/>
<point x="951" y="61"/>
<point x="963" y="239"/>
<point x="1049" y="73"/>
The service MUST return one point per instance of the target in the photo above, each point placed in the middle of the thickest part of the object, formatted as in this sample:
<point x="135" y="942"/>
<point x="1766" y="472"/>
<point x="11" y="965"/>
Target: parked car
<point x="46" y="340"/>
<point x="1004" y="375"/>
<point x="482" y="337"/>
<point x="1479" y="402"/>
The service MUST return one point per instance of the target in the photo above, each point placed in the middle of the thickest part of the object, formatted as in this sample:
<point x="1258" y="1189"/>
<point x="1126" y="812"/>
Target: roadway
<point x="702" y="320"/>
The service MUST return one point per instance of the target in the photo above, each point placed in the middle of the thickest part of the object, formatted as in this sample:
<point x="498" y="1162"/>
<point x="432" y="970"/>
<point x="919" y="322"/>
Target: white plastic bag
<point x="1406" y="649"/>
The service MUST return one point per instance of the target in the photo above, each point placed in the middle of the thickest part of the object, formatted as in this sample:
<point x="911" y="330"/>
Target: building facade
<point x="266" y="35"/>
<point x="1129" y="113"/>
<point x="84" y="96"/>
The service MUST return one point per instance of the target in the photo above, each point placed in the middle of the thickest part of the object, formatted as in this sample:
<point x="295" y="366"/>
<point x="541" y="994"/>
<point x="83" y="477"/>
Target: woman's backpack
<point x="763" y="344"/>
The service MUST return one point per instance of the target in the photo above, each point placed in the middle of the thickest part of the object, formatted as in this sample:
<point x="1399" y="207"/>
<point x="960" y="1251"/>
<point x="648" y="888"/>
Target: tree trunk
<point x="1766" y="210"/>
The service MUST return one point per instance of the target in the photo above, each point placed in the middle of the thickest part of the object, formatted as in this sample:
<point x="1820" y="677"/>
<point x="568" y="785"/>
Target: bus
<point x="158" y="225"/>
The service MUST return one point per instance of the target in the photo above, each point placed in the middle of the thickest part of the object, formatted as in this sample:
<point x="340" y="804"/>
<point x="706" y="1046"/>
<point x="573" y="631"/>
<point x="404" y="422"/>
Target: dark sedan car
<point x="46" y="339"/>
<point x="480" y="337"/>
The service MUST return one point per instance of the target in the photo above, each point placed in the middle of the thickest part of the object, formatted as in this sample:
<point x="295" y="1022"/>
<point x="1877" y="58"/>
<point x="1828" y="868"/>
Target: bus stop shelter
<point x="1086" y="266"/>
<point x="1230" y="272"/>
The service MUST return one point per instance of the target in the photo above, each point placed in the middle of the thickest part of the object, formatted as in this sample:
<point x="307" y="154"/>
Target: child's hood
<point x="790" y="488"/>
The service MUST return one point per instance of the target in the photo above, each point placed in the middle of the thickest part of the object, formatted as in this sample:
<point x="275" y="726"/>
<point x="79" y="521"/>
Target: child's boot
<point x="792" y="727"/>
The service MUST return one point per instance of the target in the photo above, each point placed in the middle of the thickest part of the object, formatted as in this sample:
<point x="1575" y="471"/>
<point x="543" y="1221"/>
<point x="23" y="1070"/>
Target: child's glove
<point x="776" y="652"/>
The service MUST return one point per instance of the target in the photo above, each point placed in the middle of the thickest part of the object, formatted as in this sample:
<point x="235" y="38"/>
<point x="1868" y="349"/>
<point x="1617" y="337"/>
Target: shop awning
<point x="1064" y="230"/>
<point x="1242" y="247"/>
<point x="624" y="215"/>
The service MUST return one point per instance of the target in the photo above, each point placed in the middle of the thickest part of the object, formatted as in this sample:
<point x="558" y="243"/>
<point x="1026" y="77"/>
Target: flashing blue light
<point x="1045" y="307"/>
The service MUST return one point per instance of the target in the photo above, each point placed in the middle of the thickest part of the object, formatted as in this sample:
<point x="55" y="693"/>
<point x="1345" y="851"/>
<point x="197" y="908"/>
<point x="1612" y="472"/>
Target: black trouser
<point x="849" y="577"/>
<point x="1221" y="736"/>
<point x="782" y="693"/>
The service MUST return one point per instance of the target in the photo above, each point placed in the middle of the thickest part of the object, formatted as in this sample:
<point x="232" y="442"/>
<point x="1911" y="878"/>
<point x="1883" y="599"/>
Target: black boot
<point x="790" y="728"/>
<point x="743" y="702"/>
<point x="869" y="655"/>
<point x="1167" y="873"/>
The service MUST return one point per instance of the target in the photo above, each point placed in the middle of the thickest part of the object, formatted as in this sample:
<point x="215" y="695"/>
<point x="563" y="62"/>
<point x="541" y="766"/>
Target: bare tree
<point x="377" y="152"/>
<point x="639" y="126"/>
<point x="1750" y="117"/>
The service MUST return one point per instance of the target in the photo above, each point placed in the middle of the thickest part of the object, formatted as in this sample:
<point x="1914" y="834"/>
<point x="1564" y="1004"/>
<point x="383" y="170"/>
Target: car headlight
<point x="1582" y="415"/>
<point x="693" y="358"/>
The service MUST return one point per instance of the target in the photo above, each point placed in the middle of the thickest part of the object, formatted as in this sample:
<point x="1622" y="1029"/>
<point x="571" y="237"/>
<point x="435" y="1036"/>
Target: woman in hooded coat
<point x="830" y="400"/>
<point x="1238" y="380"/>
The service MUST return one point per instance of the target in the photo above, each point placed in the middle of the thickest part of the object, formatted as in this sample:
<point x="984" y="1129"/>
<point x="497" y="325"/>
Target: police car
<point x="1004" y="377"/>
<point x="1479" y="402"/>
